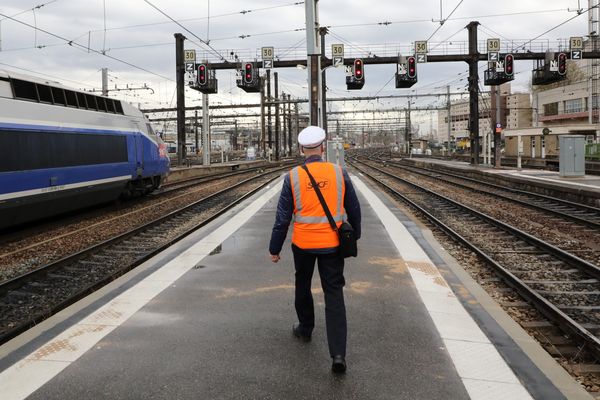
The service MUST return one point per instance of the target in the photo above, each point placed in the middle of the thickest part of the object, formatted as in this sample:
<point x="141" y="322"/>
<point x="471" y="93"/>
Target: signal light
<point x="562" y="63"/>
<point x="412" y="67"/>
<point x="358" y="70"/>
<point x="508" y="65"/>
<point x="202" y="74"/>
<point x="248" y="72"/>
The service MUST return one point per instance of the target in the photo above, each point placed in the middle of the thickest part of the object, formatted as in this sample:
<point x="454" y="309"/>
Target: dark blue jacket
<point x="285" y="211"/>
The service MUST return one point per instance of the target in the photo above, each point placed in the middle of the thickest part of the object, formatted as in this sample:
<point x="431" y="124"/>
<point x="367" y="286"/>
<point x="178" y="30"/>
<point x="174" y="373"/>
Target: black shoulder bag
<point x="345" y="231"/>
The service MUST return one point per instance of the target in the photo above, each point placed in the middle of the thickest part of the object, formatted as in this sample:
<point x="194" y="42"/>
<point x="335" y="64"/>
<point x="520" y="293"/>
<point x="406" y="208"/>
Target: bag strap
<point x="321" y="199"/>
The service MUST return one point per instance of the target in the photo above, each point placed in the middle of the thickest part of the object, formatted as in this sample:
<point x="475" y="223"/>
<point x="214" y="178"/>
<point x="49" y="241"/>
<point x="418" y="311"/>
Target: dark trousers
<point x="331" y="270"/>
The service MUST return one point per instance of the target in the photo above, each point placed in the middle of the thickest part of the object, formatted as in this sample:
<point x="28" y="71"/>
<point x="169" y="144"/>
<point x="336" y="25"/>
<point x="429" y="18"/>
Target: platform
<point x="178" y="173"/>
<point x="211" y="317"/>
<point x="585" y="189"/>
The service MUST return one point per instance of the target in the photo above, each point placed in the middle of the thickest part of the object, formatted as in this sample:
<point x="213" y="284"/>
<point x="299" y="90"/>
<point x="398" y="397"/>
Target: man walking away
<point x="313" y="239"/>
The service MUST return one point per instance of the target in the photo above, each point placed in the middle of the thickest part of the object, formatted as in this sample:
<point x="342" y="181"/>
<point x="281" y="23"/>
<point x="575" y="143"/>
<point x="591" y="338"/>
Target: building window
<point x="573" y="106"/>
<point x="551" y="109"/>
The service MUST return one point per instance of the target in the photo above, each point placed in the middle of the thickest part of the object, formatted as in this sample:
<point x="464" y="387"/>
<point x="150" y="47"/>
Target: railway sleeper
<point x="563" y="292"/>
<point x="88" y="262"/>
<point x="20" y="293"/>
<point x="538" y="324"/>
<point x="563" y="350"/>
<point x="55" y="276"/>
<point x="580" y="308"/>
<point x="122" y="252"/>
<point x="515" y="304"/>
<point x="538" y="282"/>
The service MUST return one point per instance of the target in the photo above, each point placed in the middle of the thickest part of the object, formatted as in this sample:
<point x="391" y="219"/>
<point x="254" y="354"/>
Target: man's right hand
<point x="275" y="258"/>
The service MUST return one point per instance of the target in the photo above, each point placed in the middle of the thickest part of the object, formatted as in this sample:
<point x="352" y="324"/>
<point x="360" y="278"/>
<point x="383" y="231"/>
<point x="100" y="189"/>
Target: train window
<point x="118" y="107"/>
<point x="59" y="96"/>
<point x="81" y="100"/>
<point x="101" y="103"/>
<point x="71" y="98"/>
<point x="110" y="105"/>
<point x="91" y="101"/>
<point x="44" y="93"/>
<point x="24" y="90"/>
<point x="32" y="150"/>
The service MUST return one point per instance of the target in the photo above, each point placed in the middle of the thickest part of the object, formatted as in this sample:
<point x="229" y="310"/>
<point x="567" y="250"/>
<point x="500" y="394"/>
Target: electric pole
<point x="313" y="52"/>
<point x="180" y="71"/>
<point x="473" y="92"/>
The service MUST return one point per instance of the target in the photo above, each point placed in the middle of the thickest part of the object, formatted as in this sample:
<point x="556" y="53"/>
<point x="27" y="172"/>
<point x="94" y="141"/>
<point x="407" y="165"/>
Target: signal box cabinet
<point x="403" y="81"/>
<point x="572" y="155"/>
<point x="354" y="84"/>
<point x="543" y="76"/>
<point x="493" y="77"/>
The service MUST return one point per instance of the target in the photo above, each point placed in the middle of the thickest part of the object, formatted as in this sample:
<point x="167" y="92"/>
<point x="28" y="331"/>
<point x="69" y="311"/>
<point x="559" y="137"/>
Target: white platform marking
<point x="29" y="374"/>
<point x="483" y="371"/>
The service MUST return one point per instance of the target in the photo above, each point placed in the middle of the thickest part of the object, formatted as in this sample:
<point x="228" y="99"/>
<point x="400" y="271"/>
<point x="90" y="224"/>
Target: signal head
<point x="509" y="65"/>
<point x="358" y="70"/>
<point x="248" y="72"/>
<point x="562" y="63"/>
<point x="411" y="67"/>
<point x="202" y="74"/>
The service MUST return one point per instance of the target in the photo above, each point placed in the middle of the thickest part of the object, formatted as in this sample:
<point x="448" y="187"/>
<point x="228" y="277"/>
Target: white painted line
<point x="482" y="369"/>
<point x="50" y="189"/>
<point x="29" y="374"/>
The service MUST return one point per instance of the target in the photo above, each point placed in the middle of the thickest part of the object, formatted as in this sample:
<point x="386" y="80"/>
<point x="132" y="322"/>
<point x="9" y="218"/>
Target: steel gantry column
<point x="180" y="71"/>
<point x="473" y="92"/>
<point x="313" y="52"/>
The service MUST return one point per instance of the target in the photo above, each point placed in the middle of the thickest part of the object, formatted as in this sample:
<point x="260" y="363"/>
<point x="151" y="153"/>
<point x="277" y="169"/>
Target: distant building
<point x="459" y="118"/>
<point x="518" y="110"/>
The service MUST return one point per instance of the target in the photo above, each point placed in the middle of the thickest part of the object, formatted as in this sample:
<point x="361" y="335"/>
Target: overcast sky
<point x="142" y="38"/>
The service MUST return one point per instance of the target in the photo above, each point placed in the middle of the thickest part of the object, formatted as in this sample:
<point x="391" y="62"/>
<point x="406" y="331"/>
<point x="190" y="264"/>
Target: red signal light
<point x="249" y="69"/>
<point x="562" y="63"/>
<point x="202" y="74"/>
<point x="412" y="67"/>
<point x="358" y="69"/>
<point x="509" y="65"/>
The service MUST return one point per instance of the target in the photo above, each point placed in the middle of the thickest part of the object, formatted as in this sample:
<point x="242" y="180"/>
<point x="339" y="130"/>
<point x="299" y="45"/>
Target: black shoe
<point x="298" y="334"/>
<point x="339" y="365"/>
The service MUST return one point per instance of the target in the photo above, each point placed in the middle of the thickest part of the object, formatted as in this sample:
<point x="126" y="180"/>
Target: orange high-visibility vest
<point x="311" y="226"/>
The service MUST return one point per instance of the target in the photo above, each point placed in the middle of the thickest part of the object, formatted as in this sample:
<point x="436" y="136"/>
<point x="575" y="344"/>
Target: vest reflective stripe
<point x="295" y="178"/>
<point x="311" y="226"/>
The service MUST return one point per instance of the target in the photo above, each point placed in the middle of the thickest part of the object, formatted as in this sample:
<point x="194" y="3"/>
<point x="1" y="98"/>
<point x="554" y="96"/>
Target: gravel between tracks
<point x="23" y="255"/>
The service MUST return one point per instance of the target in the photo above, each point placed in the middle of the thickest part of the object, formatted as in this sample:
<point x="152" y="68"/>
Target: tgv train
<point x="64" y="149"/>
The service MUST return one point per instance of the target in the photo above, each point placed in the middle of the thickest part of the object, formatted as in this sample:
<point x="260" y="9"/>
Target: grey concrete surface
<point x="223" y="331"/>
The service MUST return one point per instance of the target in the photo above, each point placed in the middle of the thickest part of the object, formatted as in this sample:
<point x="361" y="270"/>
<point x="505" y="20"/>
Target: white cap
<point x="311" y="137"/>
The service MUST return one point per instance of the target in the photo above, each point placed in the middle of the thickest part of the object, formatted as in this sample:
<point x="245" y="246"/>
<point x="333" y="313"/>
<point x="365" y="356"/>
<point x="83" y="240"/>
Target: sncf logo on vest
<point x="324" y="184"/>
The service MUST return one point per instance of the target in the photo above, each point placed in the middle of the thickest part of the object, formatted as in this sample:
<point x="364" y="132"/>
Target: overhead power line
<point x="242" y="12"/>
<point x="85" y="48"/>
<point x="204" y="42"/>
<point x="442" y="21"/>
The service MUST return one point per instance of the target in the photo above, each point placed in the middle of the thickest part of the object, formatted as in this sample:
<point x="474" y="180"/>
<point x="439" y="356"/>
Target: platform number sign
<point x="421" y="47"/>
<point x="189" y="56"/>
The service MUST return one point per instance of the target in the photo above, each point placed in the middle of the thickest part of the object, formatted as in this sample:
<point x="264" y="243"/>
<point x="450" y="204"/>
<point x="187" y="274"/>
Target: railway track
<point x="184" y="184"/>
<point x="32" y="248"/>
<point x="578" y="213"/>
<point x="562" y="286"/>
<point x="29" y="298"/>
